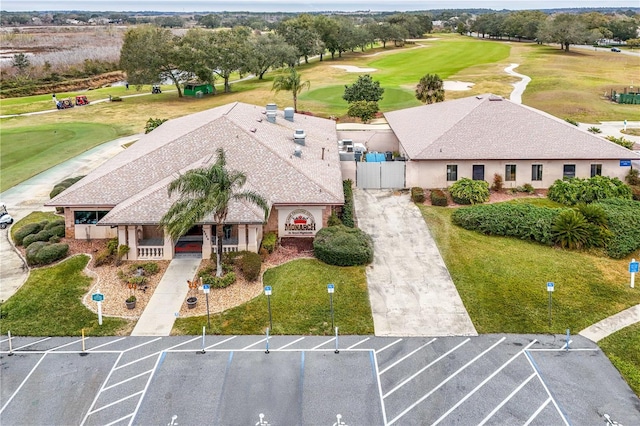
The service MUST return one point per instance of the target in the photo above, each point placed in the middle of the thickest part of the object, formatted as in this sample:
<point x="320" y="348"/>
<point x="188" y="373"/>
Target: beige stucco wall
<point x="433" y="174"/>
<point x="86" y="231"/>
<point x="380" y="140"/>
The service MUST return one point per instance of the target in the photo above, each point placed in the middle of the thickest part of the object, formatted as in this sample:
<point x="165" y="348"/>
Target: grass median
<point x="299" y="304"/>
<point x="623" y="349"/>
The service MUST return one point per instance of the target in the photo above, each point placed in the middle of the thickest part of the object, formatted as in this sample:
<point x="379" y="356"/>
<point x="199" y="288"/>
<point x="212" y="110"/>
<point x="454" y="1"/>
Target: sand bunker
<point x="457" y="85"/>
<point x="351" y="68"/>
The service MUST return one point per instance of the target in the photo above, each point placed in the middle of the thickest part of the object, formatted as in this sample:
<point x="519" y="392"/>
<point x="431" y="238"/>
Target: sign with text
<point x="634" y="267"/>
<point x="625" y="163"/>
<point x="299" y="221"/>
<point x="97" y="297"/>
<point x="330" y="288"/>
<point x="267" y="290"/>
<point x="550" y="286"/>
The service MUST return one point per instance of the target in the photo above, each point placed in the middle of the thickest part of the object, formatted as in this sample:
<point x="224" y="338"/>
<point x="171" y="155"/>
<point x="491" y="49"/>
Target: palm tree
<point x="207" y="191"/>
<point x="292" y="84"/>
<point x="430" y="89"/>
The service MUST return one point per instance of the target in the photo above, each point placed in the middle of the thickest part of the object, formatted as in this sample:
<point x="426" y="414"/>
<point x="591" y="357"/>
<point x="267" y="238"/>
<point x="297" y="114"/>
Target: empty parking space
<point x="485" y="380"/>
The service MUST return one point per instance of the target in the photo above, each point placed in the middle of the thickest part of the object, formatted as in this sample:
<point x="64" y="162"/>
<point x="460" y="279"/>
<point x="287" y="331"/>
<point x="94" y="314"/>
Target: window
<point x="536" y="172"/>
<point x="596" y="170"/>
<point x="569" y="171"/>
<point x="82" y="217"/>
<point x="510" y="172"/>
<point x="478" y="172"/>
<point x="452" y="172"/>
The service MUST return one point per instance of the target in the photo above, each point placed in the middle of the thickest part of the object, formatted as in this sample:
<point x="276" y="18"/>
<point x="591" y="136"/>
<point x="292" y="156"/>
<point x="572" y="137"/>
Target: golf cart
<point x="5" y="219"/>
<point x="81" y="100"/>
<point x="64" y="104"/>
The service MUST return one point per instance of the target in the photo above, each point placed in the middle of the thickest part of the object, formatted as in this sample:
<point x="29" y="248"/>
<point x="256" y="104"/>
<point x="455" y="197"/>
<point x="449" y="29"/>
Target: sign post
<point x="267" y="291"/>
<point x="330" y="289"/>
<point x="207" y="288"/>
<point x="633" y="268"/>
<point x="98" y="297"/>
<point x="550" y="289"/>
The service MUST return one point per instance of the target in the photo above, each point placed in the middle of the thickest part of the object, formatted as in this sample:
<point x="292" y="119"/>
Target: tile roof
<point x="489" y="127"/>
<point x="135" y="181"/>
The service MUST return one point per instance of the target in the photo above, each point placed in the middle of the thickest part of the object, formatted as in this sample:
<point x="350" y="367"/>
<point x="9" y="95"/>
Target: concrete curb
<point x="610" y="325"/>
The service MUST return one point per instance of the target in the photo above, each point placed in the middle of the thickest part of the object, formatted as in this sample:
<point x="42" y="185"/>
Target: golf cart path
<point x="610" y="325"/>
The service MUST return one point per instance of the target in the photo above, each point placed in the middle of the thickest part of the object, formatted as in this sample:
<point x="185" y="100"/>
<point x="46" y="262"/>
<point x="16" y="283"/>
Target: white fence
<point x="382" y="175"/>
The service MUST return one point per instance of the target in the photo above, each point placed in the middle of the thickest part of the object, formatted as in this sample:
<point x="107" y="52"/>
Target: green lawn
<point x="623" y="349"/>
<point x="49" y="304"/>
<point x="502" y="281"/>
<point x="299" y="304"/>
<point x="27" y="152"/>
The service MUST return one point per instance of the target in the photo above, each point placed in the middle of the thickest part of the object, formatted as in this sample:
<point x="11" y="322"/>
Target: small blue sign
<point x="633" y="267"/>
<point x="206" y="287"/>
<point x="99" y="297"/>
<point x="267" y="290"/>
<point x="330" y="288"/>
<point x="625" y="163"/>
<point x="550" y="286"/>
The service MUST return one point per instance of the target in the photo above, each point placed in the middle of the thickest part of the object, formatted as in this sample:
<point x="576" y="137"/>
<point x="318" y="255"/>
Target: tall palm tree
<point x="291" y="83"/>
<point x="430" y="89"/>
<point x="207" y="191"/>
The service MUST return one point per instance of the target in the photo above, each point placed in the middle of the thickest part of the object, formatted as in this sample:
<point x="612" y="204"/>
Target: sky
<point x="299" y="5"/>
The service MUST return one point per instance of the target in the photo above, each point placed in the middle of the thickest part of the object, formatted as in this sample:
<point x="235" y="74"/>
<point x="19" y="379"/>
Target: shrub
<point x="32" y="251"/>
<point x="269" y="242"/>
<point x="28" y="229"/>
<point x="467" y="191"/>
<point x="498" y="183"/>
<point x="149" y="268"/>
<point x="112" y="246"/>
<point x="208" y="277"/>
<point x="571" y="121"/>
<point x="334" y="220"/>
<point x="61" y="186"/>
<point x="152" y="123"/>
<point x="594" y="129"/>
<point x="54" y="239"/>
<point x="41" y="253"/>
<point x="623" y="217"/>
<point x="571" y="229"/>
<point x="439" y="198"/>
<point x="633" y="177"/>
<point x="343" y="246"/>
<point x="44" y="235"/>
<point x="250" y="265"/>
<point x="347" y="209"/>
<point x="576" y="190"/>
<point x="621" y="141"/>
<point x="123" y="250"/>
<point x="417" y="194"/>
<point x="528" y="188"/>
<point x="54" y="224"/>
<point x="103" y="257"/>
<point x="524" y="221"/>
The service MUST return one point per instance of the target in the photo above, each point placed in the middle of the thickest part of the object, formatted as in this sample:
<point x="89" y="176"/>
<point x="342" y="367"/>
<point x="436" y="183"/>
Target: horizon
<point x="290" y="6"/>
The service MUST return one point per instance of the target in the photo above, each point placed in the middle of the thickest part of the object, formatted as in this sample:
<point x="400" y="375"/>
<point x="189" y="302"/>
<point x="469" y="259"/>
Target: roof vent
<point x="495" y="98"/>
<point x="271" y="116"/>
<point x="299" y="136"/>
<point x="288" y="114"/>
<point x="253" y="130"/>
<point x="298" y="152"/>
<point x="272" y="107"/>
<point x="478" y="97"/>
<point x="259" y="120"/>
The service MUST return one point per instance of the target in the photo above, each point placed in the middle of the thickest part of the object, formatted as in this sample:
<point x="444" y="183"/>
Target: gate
<point x="380" y="175"/>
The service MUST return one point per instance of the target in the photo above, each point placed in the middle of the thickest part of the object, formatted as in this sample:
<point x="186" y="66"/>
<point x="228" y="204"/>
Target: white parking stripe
<point x="562" y="350"/>
<point x="566" y="344"/>
<point x="105" y="344"/>
<point x="146" y="387"/>
<point x="356" y="344"/>
<point x="115" y="422"/>
<point x="538" y="411"/>
<point x="253" y="344"/>
<point x="484" y="382"/>
<point x="32" y="343"/>
<point x="408" y="355"/>
<point x="142" y="344"/>
<point x="128" y="380"/>
<point x="555" y="404"/>
<point x="289" y="344"/>
<point x="68" y="344"/>
<point x="428" y="394"/>
<point x="156" y="353"/>
<point x="382" y="406"/>
<point x="504" y="401"/>
<point x="111" y="404"/>
<point x="106" y="380"/>
<point x="426" y="366"/>
<point x="22" y="384"/>
<point x="388" y="346"/>
<point x="219" y="343"/>
<point x="322" y="344"/>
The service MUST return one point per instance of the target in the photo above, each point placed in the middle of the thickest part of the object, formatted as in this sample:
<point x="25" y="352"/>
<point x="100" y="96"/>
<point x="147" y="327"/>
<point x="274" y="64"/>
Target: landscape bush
<point x="269" y="242"/>
<point x="623" y="218"/>
<point x="468" y="191"/>
<point x="44" y="235"/>
<point x="334" y="220"/>
<point x="149" y="268"/>
<point x="28" y="229"/>
<point x="43" y="253"/>
<point x="439" y="198"/>
<point x="208" y="276"/>
<point x="523" y="221"/>
<point x="54" y="224"/>
<point x="576" y="190"/>
<point x="61" y="186"/>
<point x="417" y="195"/>
<point x="498" y="182"/>
<point x="343" y="246"/>
<point x="571" y="229"/>
<point x="347" y="209"/>
<point x="621" y="141"/>
<point x="250" y="265"/>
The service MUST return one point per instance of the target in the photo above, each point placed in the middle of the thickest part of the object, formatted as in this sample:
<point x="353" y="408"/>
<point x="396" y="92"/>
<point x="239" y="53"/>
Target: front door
<point x="478" y="172"/>
<point x="190" y="244"/>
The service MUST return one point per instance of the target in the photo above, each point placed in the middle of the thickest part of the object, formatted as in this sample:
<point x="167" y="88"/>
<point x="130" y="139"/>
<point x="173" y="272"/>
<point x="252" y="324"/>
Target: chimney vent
<point x="298" y="152"/>
<point x="299" y="136"/>
<point x="288" y="114"/>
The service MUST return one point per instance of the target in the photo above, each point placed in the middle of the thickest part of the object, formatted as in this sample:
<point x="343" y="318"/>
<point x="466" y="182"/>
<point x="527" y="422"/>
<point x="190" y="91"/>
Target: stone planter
<point x="130" y="305"/>
<point x="191" y="302"/>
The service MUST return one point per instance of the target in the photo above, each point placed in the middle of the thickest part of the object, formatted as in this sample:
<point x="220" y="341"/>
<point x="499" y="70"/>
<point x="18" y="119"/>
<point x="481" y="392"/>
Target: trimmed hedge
<point x="623" y="217"/>
<point x="524" y="221"/>
<point x="439" y="198"/>
<point x="60" y="187"/>
<point x="44" y="235"/>
<point x="417" y="194"/>
<point x="576" y="190"/>
<point x="347" y="209"/>
<point x="468" y="191"/>
<point x="208" y="276"/>
<point x="343" y="246"/>
<point x="41" y="253"/>
<point x="250" y="264"/>
<point x="28" y="229"/>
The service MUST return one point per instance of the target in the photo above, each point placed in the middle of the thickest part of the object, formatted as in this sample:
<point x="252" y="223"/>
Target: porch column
<point x="253" y="239"/>
<point x="207" y="250"/>
<point x="122" y="234"/>
<point x="167" y="251"/>
<point x="242" y="237"/>
<point x="133" y="243"/>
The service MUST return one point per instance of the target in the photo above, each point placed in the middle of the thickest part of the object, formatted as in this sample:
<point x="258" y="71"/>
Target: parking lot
<point x="489" y="379"/>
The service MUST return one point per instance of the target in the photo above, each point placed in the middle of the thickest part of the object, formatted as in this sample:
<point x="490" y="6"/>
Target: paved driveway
<point x="410" y="288"/>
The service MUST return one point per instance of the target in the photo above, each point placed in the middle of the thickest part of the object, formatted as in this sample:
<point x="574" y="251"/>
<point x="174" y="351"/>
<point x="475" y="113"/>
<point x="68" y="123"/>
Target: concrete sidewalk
<point x="160" y="314"/>
<point x="610" y="325"/>
<point x="410" y="289"/>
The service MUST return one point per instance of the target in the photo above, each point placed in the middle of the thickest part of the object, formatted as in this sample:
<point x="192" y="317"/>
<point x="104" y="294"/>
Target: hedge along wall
<point x="624" y="222"/>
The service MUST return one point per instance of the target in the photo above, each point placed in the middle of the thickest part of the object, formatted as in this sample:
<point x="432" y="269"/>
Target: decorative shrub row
<point x="623" y="218"/>
<point x="576" y="190"/>
<point x="343" y="246"/>
<point x="44" y="235"/>
<point x="439" y="198"/>
<point x="347" y="210"/>
<point x="417" y="195"/>
<point x="208" y="276"/>
<point x="59" y="187"/>
<point x="524" y="221"/>
<point x="43" y="253"/>
<point x="42" y="231"/>
<point x="468" y="191"/>
<point x="269" y="242"/>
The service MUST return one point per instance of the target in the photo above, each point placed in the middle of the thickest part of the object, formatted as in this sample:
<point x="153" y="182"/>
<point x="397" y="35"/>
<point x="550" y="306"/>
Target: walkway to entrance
<point x="160" y="314"/>
<point x="410" y="288"/>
